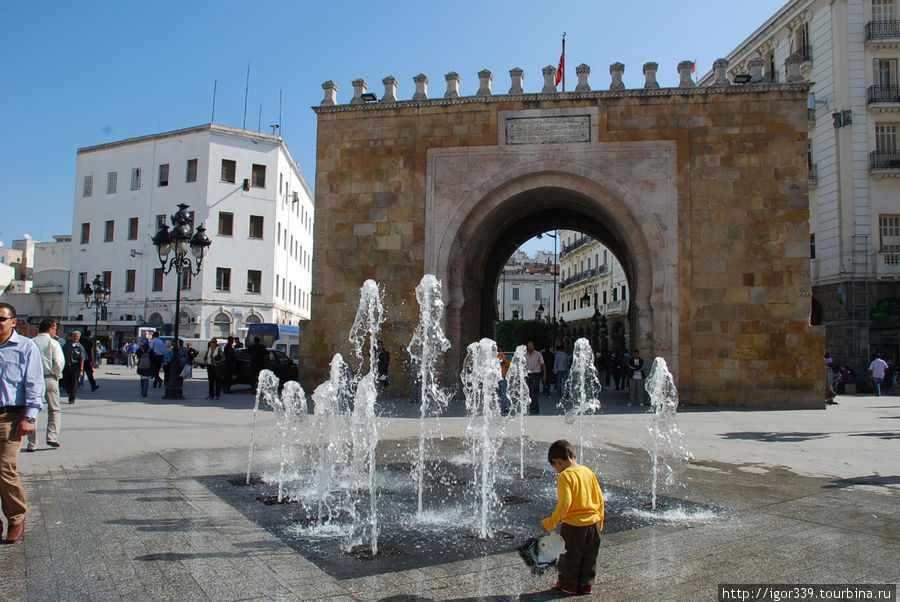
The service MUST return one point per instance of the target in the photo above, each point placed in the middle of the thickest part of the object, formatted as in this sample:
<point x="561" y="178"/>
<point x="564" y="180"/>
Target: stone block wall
<point x="741" y="279"/>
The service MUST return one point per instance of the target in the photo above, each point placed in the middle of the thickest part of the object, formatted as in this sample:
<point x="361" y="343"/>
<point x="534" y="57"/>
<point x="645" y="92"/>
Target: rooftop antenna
<point x="215" y="87"/>
<point x="246" y="94"/>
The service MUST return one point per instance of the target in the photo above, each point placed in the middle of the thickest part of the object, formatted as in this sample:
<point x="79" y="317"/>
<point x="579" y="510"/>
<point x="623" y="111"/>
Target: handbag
<point x="187" y="371"/>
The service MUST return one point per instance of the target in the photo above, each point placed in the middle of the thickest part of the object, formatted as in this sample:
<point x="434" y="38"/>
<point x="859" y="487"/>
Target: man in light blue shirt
<point x="53" y="361"/>
<point x="21" y="395"/>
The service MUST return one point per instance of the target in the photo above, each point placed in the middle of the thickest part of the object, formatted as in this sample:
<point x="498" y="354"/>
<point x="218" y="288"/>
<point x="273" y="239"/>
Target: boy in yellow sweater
<point x="579" y="507"/>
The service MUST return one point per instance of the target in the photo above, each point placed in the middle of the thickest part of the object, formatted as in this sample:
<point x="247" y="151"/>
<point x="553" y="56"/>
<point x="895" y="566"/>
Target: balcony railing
<point x="887" y="264"/>
<point x="804" y="52"/>
<point x="880" y="30"/>
<point x="884" y="94"/>
<point x="883" y="160"/>
<point x="581" y="240"/>
<point x="582" y="276"/>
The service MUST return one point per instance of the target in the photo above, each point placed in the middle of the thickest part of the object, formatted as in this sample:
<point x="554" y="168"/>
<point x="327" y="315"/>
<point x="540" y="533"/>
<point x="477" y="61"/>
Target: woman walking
<point x="214" y="358"/>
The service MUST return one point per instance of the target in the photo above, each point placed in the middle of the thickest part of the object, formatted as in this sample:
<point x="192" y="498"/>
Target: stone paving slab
<point x="120" y="511"/>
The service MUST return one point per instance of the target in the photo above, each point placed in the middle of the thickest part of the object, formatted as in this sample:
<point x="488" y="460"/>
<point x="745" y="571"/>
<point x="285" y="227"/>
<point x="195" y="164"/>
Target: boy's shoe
<point x="571" y="591"/>
<point x="585" y="589"/>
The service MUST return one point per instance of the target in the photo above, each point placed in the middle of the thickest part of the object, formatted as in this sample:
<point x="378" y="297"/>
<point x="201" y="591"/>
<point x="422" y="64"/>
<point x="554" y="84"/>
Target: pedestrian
<point x="537" y="372"/>
<point x="213" y="359"/>
<point x="132" y="353"/>
<point x="615" y="363"/>
<point x="579" y="508"/>
<point x="383" y="361"/>
<point x="637" y="394"/>
<point x="258" y="354"/>
<point x="90" y="359"/>
<point x="503" y="384"/>
<point x="75" y="356"/>
<point x="157" y="355"/>
<point x="228" y="378"/>
<point x="877" y="370"/>
<point x="21" y="394"/>
<point x="561" y="369"/>
<point x="145" y="368"/>
<point x="53" y="361"/>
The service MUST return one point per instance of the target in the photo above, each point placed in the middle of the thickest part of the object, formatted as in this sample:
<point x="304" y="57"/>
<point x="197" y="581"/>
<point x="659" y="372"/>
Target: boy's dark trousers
<point x="578" y="566"/>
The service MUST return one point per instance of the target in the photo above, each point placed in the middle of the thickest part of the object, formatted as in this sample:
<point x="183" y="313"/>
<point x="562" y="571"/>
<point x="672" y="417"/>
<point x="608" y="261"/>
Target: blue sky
<point x="77" y="74"/>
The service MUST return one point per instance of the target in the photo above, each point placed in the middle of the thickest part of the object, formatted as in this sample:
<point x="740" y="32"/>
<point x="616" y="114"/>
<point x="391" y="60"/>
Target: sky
<point x="75" y="74"/>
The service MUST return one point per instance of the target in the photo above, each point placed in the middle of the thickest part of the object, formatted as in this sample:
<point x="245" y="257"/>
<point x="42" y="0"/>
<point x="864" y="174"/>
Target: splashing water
<point x="519" y="397"/>
<point x="364" y="427"/>
<point x="331" y="427"/>
<point x="666" y="447"/>
<point x="266" y="387"/>
<point x="427" y="344"/>
<point x="480" y="377"/>
<point x="582" y="394"/>
<point x="291" y="415"/>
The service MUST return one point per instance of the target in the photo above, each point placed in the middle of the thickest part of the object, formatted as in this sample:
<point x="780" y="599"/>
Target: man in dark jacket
<point x="75" y="356"/>
<point x="258" y="354"/>
<point x="228" y="350"/>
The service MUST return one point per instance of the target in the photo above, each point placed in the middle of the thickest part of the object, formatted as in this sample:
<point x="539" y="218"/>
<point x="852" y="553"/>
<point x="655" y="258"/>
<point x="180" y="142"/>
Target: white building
<point x="591" y="278"/>
<point x="247" y="191"/>
<point x="527" y="286"/>
<point x="849" y="51"/>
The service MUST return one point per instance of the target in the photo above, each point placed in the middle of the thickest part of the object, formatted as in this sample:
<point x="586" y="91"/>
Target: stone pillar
<point x="359" y="88"/>
<point x="684" y="71"/>
<point x="792" y="69"/>
<point x="485" y="78"/>
<point x="583" y="72"/>
<point x="616" y="71"/>
<point x="390" y="89"/>
<point x="331" y="89"/>
<point x="720" y="69"/>
<point x="421" y="81"/>
<point x="516" y="76"/>
<point x="452" y="85"/>
<point x="756" y="69"/>
<point x="650" y="76"/>
<point x="549" y="80"/>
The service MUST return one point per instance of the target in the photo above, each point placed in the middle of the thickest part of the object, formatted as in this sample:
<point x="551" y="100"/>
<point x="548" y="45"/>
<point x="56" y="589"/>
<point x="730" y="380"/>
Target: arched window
<point x="184" y="318"/>
<point x="252" y="319"/>
<point x="221" y="325"/>
<point x="155" y="318"/>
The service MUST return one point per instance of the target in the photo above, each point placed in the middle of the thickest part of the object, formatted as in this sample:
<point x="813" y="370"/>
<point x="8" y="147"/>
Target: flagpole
<point x="564" y="62"/>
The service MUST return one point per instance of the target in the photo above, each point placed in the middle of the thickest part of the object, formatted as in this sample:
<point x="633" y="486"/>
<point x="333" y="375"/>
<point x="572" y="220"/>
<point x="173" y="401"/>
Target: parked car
<point x="276" y="361"/>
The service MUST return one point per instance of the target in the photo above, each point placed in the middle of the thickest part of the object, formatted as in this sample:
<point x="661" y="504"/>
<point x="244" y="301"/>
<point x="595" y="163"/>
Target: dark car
<point x="276" y="361"/>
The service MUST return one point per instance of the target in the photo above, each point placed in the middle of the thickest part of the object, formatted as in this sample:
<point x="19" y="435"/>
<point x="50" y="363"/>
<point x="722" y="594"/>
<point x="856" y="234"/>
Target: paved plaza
<point x="131" y="506"/>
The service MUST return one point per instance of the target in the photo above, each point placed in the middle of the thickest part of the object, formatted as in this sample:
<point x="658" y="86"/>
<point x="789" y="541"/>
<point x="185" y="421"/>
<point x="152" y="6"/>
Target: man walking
<point x="228" y="350"/>
<point x="53" y="361"/>
<point x="877" y="370"/>
<point x="537" y="371"/>
<point x="74" y="355"/>
<point x="21" y="391"/>
<point x="157" y="355"/>
<point x="91" y="359"/>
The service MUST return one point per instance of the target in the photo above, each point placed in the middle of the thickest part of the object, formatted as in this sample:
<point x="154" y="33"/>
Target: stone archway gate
<point x="701" y="193"/>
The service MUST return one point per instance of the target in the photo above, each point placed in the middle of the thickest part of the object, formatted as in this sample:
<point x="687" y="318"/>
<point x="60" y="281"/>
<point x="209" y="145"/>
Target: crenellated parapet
<point x="721" y="82"/>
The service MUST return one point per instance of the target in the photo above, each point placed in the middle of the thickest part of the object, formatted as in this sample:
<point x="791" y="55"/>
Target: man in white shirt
<point x="877" y="370"/>
<point x="537" y="371"/>
<point x="53" y="361"/>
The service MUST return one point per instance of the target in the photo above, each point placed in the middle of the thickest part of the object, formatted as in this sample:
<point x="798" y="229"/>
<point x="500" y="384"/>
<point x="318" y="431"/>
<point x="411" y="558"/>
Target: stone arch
<point x="497" y="217"/>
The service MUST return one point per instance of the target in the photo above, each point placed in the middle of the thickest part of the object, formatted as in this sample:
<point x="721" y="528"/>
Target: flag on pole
<point x="694" y="67"/>
<point x="560" y="71"/>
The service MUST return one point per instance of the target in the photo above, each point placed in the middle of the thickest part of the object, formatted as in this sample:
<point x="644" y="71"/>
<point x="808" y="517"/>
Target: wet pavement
<point x="137" y="505"/>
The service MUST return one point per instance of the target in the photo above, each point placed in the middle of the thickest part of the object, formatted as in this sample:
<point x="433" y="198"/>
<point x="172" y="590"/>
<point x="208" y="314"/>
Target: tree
<point x="512" y="333"/>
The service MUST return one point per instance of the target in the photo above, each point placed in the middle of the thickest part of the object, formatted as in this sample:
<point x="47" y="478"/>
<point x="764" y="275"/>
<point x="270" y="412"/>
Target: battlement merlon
<point x="617" y="89"/>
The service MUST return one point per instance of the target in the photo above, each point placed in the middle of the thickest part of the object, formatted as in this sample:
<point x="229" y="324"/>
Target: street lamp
<point x="179" y="240"/>
<point x="98" y="298"/>
<point x="598" y="322"/>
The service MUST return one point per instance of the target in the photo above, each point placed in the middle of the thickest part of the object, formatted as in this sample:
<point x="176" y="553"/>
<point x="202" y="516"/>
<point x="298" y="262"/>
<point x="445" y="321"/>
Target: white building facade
<point x="242" y="186"/>
<point x="849" y="51"/>
<point x="593" y="293"/>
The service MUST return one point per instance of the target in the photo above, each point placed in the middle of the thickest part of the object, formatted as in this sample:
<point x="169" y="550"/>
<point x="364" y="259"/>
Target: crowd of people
<point x="882" y="376"/>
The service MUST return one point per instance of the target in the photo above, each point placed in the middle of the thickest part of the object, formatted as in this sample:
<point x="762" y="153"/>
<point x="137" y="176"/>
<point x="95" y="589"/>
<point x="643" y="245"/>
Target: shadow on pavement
<point x="873" y="479"/>
<point x="793" y="437"/>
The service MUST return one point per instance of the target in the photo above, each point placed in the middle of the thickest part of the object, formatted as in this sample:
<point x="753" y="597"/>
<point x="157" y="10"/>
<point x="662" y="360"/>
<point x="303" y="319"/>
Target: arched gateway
<point x="700" y="193"/>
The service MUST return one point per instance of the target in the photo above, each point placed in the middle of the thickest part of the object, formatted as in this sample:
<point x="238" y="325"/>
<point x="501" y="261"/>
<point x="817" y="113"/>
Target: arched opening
<point x="155" y="319"/>
<point x="505" y="219"/>
<point x="221" y="325"/>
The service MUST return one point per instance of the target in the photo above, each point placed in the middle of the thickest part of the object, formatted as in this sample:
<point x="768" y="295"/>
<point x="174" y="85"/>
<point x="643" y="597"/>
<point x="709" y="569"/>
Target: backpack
<point x="144" y="363"/>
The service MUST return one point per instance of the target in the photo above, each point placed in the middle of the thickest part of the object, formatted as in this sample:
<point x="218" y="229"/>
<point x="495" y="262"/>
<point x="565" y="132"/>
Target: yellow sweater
<point x="580" y="501"/>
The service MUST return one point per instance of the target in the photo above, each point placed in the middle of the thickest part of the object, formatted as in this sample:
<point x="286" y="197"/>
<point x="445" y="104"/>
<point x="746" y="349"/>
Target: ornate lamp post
<point x="180" y="240"/>
<point x="98" y="298"/>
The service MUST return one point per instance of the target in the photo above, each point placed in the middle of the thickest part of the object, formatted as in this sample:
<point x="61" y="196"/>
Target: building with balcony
<point x="242" y="186"/>
<point x="849" y="51"/>
<point x="527" y="287"/>
<point x="593" y="293"/>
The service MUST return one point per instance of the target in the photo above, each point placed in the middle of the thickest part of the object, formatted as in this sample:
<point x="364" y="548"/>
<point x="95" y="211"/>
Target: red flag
<point x="561" y="68"/>
<point x="694" y="67"/>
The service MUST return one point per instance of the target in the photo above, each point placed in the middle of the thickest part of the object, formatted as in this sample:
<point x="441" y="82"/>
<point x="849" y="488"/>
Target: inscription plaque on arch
<point x="548" y="130"/>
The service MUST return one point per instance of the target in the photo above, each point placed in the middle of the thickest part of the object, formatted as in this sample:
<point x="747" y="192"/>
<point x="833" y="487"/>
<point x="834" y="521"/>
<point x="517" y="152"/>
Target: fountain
<point x="519" y="396"/>
<point x="582" y="394"/>
<point x="363" y="424"/>
<point x="666" y="446"/>
<point x="427" y="344"/>
<point x="480" y="377"/>
<point x="266" y="388"/>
